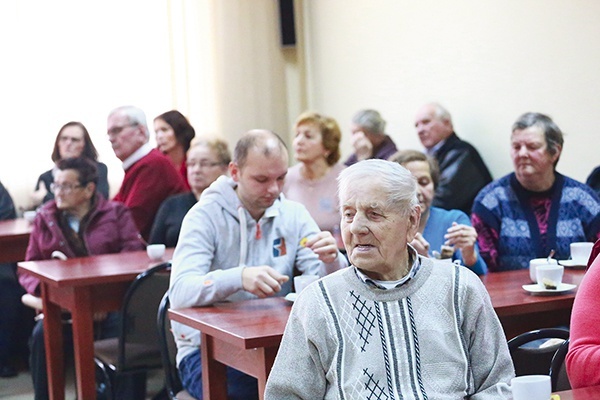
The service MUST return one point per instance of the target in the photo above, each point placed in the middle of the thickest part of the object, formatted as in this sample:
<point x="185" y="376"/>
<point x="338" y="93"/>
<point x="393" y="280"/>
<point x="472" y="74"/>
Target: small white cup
<point x="580" y="252"/>
<point x="30" y="216"/>
<point x="155" y="251"/>
<point x="538" y="261"/>
<point x="302" y="281"/>
<point x="528" y="387"/>
<point x="549" y="274"/>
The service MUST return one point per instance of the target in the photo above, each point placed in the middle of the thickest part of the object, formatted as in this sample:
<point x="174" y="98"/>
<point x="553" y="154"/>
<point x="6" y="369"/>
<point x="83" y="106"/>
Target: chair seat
<point x="184" y="395"/>
<point x="138" y="355"/>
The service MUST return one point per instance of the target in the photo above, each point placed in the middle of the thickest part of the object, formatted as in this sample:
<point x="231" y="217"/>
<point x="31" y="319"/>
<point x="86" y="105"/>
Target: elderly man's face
<point x="125" y="137"/>
<point x="430" y="128"/>
<point x="376" y="235"/>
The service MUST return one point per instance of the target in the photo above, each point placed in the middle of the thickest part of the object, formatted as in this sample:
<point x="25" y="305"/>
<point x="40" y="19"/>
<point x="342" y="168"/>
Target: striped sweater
<point x="434" y="337"/>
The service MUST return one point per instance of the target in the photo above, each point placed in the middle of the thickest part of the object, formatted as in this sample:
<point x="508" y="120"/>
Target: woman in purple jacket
<point x="77" y="223"/>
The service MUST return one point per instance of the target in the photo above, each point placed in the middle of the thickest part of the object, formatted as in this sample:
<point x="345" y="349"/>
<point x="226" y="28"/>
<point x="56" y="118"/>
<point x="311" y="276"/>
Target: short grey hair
<point x="397" y="182"/>
<point x="552" y="133"/>
<point x="370" y="120"/>
<point x="135" y="116"/>
<point x="441" y="112"/>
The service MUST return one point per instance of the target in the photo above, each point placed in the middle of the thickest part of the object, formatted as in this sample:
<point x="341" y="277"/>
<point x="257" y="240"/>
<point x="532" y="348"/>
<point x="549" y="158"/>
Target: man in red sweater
<point x="149" y="175"/>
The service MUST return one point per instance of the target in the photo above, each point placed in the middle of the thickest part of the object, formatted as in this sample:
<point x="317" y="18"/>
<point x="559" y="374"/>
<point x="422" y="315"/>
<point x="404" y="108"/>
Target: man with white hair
<point x="462" y="170"/>
<point x="394" y="325"/>
<point x="149" y="175"/>
<point x="369" y="139"/>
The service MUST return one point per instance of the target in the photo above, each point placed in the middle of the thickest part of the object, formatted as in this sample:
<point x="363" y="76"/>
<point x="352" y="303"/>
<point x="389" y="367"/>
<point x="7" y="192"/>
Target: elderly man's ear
<point x="413" y="223"/>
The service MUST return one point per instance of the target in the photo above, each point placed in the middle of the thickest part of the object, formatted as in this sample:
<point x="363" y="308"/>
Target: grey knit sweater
<point x="435" y="337"/>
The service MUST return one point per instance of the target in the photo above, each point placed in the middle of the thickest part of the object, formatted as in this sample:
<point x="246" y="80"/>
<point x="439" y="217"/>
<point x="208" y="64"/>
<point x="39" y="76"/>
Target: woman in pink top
<point x="312" y="181"/>
<point x="583" y="358"/>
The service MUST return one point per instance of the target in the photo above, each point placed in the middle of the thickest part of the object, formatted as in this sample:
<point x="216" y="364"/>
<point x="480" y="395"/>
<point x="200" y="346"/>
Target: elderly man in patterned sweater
<point x="395" y="325"/>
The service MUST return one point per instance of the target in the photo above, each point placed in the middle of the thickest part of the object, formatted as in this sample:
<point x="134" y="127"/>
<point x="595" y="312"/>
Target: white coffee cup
<point x="580" y="252"/>
<point x="549" y="274"/>
<point x="155" y="251"/>
<point x="539" y="261"/>
<point x="30" y="216"/>
<point x="302" y="281"/>
<point x="528" y="387"/>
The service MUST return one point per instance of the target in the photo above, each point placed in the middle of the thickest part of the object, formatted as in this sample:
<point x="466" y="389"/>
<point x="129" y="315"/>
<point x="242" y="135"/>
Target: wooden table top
<point x="587" y="393"/>
<point x="11" y="228"/>
<point x="104" y="268"/>
<point x="247" y="324"/>
<point x="509" y="298"/>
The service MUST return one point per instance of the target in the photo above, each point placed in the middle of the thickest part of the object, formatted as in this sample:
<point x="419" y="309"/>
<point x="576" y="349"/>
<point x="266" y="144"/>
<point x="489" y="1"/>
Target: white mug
<point x="528" y="387"/>
<point x="538" y="261"/>
<point x="302" y="281"/>
<point x="155" y="251"/>
<point x="549" y="274"/>
<point x="580" y="252"/>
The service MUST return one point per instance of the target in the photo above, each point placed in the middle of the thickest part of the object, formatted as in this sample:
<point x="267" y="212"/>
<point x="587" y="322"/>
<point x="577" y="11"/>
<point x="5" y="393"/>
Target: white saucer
<point x="535" y="289"/>
<point x="291" y="297"/>
<point x="572" y="264"/>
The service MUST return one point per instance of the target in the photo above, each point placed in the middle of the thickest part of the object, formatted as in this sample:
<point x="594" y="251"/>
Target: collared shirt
<point x="137" y="155"/>
<point x="412" y="258"/>
<point x="433" y="150"/>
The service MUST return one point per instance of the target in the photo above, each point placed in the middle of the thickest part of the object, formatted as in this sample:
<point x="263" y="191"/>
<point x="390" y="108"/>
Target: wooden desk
<point x="14" y="237"/>
<point x="244" y="335"/>
<point x="82" y="286"/>
<point x="520" y="311"/>
<point x="587" y="393"/>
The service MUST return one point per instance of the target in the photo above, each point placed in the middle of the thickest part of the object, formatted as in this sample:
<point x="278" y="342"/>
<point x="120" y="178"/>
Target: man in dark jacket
<point x="462" y="171"/>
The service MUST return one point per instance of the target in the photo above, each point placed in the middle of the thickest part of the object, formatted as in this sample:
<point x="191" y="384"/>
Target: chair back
<point x="139" y="344"/>
<point x="168" y="351"/>
<point x="558" y="369"/>
<point x="531" y="355"/>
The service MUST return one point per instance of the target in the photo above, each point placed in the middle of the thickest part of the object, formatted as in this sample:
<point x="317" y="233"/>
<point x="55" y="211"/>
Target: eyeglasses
<point x="202" y="164"/>
<point x="115" y="130"/>
<point x="64" y="139"/>
<point x="65" y="187"/>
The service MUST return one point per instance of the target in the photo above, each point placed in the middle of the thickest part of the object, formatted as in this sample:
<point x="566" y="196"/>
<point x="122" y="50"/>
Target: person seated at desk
<point x="583" y="357"/>
<point x="369" y="139"/>
<point x="312" y="181"/>
<point x="73" y="140"/>
<point x="78" y="222"/>
<point x="14" y="318"/>
<point x="535" y="209"/>
<point x="440" y="231"/>
<point x="394" y="325"/>
<point x="174" y="135"/>
<point x="242" y="240"/>
<point x="206" y="161"/>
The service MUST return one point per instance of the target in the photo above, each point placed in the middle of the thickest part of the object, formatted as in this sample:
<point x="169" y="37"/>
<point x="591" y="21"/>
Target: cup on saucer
<point x="549" y="276"/>
<point x="580" y="252"/>
<point x="539" y="261"/>
<point x="155" y="251"/>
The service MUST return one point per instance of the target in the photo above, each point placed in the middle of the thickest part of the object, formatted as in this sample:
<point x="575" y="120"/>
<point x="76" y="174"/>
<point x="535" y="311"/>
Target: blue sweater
<point x="509" y="235"/>
<point x="438" y="223"/>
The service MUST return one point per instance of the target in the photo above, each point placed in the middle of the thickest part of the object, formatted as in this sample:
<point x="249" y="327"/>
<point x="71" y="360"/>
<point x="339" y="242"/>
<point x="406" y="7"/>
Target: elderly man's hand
<point x="463" y="237"/>
<point x="262" y="280"/>
<point x="363" y="148"/>
<point x="421" y="245"/>
<point x="324" y="246"/>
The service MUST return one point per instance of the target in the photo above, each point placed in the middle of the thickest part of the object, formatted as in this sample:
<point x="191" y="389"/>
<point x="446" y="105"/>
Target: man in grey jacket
<point x="242" y="240"/>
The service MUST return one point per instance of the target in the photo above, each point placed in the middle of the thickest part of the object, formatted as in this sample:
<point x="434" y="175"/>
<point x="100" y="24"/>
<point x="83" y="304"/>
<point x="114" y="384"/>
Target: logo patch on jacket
<point x="279" y="247"/>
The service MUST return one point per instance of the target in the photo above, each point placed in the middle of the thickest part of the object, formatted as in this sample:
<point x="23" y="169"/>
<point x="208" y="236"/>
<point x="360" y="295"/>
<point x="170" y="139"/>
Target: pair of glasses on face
<point x="202" y="164"/>
<point x="65" y="139"/>
<point x="115" y="130"/>
<point x="65" y="187"/>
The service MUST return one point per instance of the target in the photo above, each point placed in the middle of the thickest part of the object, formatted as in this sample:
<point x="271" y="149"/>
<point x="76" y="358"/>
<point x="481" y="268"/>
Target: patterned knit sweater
<point x="515" y="225"/>
<point x="434" y="337"/>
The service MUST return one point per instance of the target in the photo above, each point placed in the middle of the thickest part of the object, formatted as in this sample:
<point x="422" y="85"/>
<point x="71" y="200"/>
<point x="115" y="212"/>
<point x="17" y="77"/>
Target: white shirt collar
<point x="137" y="155"/>
<point x="394" y="284"/>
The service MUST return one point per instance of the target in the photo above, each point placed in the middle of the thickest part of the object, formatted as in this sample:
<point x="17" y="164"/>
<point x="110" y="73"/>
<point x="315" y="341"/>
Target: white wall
<point x="487" y="62"/>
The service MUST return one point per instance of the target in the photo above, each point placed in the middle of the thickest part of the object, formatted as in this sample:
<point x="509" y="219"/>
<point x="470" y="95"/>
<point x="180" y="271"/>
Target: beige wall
<point x="486" y="61"/>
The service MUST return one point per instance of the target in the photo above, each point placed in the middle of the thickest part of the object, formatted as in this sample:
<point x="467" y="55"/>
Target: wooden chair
<point x="136" y="350"/>
<point x="168" y="351"/>
<point x="531" y="358"/>
<point x="558" y="369"/>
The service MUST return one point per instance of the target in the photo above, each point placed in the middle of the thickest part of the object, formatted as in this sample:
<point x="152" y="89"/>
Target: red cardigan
<point x="146" y="184"/>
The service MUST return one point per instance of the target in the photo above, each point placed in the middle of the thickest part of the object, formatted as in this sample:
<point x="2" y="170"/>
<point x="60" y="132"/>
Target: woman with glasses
<point x="77" y="223"/>
<point x="174" y="135"/>
<point x="206" y="161"/>
<point x="73" y="140"/>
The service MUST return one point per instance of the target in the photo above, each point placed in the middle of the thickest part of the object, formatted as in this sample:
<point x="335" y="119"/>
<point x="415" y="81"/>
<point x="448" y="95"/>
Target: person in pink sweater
<point x="583" y="358"/>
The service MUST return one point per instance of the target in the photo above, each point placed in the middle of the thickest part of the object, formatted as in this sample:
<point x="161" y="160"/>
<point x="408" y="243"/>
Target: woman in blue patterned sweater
<point x="533" y="210"/>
